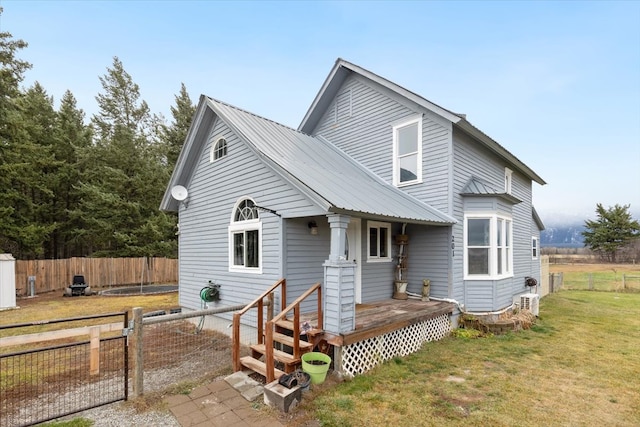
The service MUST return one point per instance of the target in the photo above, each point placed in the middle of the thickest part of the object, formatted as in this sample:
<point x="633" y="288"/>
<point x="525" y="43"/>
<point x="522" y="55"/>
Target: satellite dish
<point x="179" y="193"/>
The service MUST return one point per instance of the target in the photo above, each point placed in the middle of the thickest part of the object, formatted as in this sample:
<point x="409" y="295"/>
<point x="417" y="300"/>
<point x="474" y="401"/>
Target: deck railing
<point x="258" y="303"/>
<point x="271" y="326"/>
<point x="266" y="333"/>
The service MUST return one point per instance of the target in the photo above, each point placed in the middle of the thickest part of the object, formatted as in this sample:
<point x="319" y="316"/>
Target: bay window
<point x="488" y="248"/>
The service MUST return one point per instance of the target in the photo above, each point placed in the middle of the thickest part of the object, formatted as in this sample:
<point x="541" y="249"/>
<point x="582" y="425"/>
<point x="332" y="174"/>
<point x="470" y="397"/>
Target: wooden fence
<point x="56" y="274"/>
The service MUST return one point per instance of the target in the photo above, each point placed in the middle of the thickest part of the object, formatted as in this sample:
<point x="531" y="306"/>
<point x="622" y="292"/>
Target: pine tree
<point x="175" y="134"/>
<point x="73" y="140"/>
<point x="37" y="177"/>
<point x="15" y="150"/>
<point x="125" y="175"/>
<point x="613" y="229"/>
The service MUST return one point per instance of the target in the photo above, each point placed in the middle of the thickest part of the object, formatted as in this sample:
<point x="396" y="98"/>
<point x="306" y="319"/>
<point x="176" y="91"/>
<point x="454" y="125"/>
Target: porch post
<point x="339" y="281"/>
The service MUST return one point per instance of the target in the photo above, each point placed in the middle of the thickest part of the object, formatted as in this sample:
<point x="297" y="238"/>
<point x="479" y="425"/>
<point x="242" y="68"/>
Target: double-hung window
<point x="407" y="152"/>
<point x="488" y="247"/>
<point x="534" y="247"/>
<point x="245" y="238"/>
<point x="379" y="242"/>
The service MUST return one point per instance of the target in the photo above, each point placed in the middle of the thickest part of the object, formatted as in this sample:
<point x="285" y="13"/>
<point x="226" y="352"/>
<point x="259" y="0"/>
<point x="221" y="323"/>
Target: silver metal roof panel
<point x="325" y="173"/>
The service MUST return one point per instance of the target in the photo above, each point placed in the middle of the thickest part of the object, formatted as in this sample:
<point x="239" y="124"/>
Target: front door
<point x="354" y="253"/>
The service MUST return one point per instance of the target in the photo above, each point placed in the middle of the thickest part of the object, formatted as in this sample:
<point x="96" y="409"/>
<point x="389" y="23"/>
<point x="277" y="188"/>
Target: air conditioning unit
<point x="530" y="302"/>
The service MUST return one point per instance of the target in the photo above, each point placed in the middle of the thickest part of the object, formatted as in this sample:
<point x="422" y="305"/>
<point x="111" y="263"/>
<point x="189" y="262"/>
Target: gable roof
<point x="325" y="174"/>
<point x="342" y="69"/>
<point x="537" y="219"/>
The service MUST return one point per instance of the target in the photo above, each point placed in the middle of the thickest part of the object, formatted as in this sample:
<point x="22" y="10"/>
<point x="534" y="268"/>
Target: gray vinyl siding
<point x="367" y="136"/>
<point x="305" y="256"/>
<point x="428" y="258"/>
<point x="377" y="277"/>
<point x="471" y="159"/>
<point x="213" y="191"/>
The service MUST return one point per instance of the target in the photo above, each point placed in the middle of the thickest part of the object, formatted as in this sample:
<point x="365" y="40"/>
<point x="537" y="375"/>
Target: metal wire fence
<point x="185" y="347"/>
<point x="600" y="281"/>
<point x="39" y="383"/>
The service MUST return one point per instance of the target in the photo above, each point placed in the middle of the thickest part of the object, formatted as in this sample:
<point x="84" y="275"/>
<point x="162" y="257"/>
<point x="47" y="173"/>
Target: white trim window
<point x="245" y="238"/>
<point x="379" y="241"/>
<point x="218" y="150"/>
<point x="488" y="247"/>
<point x="508" y="180"/>
<point x="534" y="247"/>
<point x="407" y="152"/>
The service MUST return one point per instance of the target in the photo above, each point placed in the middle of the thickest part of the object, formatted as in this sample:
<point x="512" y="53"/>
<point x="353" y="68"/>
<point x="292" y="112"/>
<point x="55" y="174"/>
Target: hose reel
<point x="210" y="293"/>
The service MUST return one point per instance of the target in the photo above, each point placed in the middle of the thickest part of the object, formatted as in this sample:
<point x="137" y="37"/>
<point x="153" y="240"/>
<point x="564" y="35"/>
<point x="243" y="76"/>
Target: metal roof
<point x="341" y="71"/>
<point x="324" y="173"/>
<point x="477" y="187"/>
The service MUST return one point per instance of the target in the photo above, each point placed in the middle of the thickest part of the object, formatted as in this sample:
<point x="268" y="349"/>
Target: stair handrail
<point x="269" y="331"/>
<point x="259" y="303"/>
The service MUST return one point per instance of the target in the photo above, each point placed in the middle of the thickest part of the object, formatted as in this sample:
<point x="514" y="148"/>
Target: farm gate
<point x="48" y="373"/>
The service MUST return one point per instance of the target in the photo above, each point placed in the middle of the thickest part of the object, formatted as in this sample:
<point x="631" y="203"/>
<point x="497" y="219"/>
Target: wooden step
<point x="278" y="355"/>
<point x="260" y="367"/>
<point x="288" y="324"/>
<point x="288" y="341"/>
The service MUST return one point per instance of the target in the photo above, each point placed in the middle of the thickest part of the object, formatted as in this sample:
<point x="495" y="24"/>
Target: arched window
<point x="218" y="150"/>
<point x="245" y="238"/>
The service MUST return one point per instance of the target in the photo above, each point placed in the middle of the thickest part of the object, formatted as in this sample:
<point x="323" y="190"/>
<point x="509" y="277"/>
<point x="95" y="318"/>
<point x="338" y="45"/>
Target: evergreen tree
<point x="17" y="236"/>
<point x="125" y="175"/>
<point x="613" y="229"/>
<point x="73" y="140"/>
<point x="175" y="134"/>
<point x="36" y="181"/>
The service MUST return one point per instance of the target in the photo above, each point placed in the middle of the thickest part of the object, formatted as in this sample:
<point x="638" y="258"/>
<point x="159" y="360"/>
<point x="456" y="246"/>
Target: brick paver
<point x="217" y="404"/>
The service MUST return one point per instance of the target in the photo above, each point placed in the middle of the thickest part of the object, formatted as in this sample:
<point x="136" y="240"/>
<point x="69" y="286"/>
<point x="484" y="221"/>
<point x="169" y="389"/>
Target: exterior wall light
<point x="313" y="228"/>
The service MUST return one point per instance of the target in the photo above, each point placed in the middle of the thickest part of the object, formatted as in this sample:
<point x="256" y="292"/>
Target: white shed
<point x="7" y="281"/>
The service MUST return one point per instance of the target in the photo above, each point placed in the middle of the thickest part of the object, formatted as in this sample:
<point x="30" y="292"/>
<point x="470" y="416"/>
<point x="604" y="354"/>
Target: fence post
<point x="624" y="282"/>
<point x="138" y="347"/>
<point x="590" y="281"/>
<point x="94" y="350"/>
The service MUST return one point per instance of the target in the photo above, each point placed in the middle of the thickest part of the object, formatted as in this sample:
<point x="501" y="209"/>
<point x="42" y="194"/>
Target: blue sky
<point x="556" y="83"/>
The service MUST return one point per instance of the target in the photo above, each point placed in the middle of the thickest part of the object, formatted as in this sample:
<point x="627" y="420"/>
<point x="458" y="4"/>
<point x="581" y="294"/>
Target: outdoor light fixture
<point x="313" y="228"/>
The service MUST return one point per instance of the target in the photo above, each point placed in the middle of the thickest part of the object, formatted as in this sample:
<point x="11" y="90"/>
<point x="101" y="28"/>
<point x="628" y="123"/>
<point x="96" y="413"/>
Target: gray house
<point x="377" y="185"/>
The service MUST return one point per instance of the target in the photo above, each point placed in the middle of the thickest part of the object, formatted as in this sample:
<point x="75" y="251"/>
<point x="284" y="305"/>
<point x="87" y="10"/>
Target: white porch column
<point x="339" y="281"/>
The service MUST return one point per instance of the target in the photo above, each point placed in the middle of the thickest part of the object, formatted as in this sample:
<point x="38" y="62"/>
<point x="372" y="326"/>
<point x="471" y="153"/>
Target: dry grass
<point x="53" y="305"/>
<point x="599" y="277"/>
<point x="594" y="268"/>
<point x="577" y="365"/>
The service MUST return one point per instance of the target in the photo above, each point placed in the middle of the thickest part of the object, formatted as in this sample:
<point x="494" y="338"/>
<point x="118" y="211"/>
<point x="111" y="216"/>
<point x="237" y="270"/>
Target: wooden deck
<point x="378" y="318"/>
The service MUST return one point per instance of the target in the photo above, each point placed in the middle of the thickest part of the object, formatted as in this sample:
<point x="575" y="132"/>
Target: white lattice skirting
<point x="360" y="357"/>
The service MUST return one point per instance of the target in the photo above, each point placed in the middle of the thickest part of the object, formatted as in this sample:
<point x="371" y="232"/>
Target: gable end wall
<point x="362" y="126"/>
<point x="203" y="241"/>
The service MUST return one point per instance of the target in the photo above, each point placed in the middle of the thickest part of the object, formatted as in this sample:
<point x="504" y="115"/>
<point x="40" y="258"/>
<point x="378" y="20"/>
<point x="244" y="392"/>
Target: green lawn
<point x="579" y="365"/>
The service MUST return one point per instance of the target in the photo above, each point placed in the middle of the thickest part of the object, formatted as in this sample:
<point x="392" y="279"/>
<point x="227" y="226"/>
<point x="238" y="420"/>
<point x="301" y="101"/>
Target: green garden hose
<point x="209" y="293"/>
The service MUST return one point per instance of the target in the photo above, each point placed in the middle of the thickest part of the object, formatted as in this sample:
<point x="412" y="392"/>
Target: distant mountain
<point x="563" y="236"/>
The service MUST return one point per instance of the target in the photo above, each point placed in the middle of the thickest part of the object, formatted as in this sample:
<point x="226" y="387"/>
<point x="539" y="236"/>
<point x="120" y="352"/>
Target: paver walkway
<point x="218" y="404"/>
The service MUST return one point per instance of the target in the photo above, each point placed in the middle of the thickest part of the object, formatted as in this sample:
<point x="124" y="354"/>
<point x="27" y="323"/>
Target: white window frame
<point x="535" y="247"/>
<point x="396" y="157"/>
<point x="371" y="225"/>
<point x="508" y="180"/>
<point x="214" y="149"/>
<point x="506" y="246"/>
<point x="237" y="227"/>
